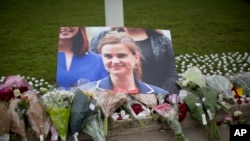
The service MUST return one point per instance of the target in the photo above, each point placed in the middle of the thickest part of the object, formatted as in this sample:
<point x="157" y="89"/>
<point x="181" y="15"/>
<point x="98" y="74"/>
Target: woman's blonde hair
<point x="114" y="37"/>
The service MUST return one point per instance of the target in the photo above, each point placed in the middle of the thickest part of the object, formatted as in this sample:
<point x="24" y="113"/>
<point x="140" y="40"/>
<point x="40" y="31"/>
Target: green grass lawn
<point x="29" y="28"/>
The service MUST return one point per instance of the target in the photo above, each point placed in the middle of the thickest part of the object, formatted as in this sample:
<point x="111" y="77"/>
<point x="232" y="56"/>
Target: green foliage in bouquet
<point x="168" y="114"/>
<point x="94" y="127"/>
<point x="22" y="106"/>
<point x="208" y="95"/>
<point x="58" y="105"/>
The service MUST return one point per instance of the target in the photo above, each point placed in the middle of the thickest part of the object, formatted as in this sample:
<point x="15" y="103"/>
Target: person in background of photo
<point x="122" y="59"/>
<point x="158" y="65"/>
<point x="75" y="62"/>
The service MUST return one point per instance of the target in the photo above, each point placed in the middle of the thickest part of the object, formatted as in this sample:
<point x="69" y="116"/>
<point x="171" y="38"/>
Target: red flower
<point x="236" y="95"/>
<point x="181" y="116"/>
<point x="239" y="101"/>
<point x="183" y="107"/>
<point x="246" y="101"/>
<point x="219" y="123"/>
<point x="137" y="108"/>
<point x="119" y="117"/>
<point x="182" y="111"/>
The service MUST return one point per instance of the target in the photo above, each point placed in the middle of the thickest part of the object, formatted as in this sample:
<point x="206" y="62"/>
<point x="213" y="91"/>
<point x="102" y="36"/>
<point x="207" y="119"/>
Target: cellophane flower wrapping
<point x="58" y="105"/>
<point x="110" y="101"/>
<point x="17" y="124"/>
<point x="192" y="79"/>
<point x="172" y="99"/>
<point x="208" y="96"/>
<point x="6" y="119"/>
<point x="149" y="100"/>
<point x="241" y="81"/>
<point x="37" y="117"/>
<point x="197" y="112"/>
<point x="83" y="115"/>
<point x="94" y="127"/>
<point x="136" y="110"/>
<point x="223" y="85"/>
<point x="168" y="113"/>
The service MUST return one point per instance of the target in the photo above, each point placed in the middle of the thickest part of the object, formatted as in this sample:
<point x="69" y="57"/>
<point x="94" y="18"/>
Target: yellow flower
<point x="90" y="94"/>
<point x="185" y="82"/>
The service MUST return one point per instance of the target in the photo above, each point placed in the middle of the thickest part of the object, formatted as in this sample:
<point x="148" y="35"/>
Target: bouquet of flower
<point x="202" y="101"/>
<point x="192" y="80"/>
<point x="58" y="105"/>
<point x="110" y="101"/>
<point x="136" y="110"/>
<point x="222" y="85"/>
<point x="5" y="120"/>
<point x="196" y="109"/>
<point x="93" y="126"/>
<point x="83" y="116"/>
<point x="166" y="111"/>
<point x="208" y="95"/>
<point x="173" y="100"/>
<point x="182" y="111"/>
<point x="181" y="108"/>
<point x="149" y="100"/>
<point x="241" y="81"/>
<point x="37" y="117"/>
<point x="17" y="108"/>
<point x="11" y="83"/>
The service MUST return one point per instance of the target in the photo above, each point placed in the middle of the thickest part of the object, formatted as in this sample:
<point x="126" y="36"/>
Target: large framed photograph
<point x="85" y="55"/>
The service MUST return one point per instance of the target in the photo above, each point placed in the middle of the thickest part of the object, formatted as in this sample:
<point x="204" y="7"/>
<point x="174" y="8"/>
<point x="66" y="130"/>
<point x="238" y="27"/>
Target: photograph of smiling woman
<point x="158" y="65"/>
<point x="121" y="58"/>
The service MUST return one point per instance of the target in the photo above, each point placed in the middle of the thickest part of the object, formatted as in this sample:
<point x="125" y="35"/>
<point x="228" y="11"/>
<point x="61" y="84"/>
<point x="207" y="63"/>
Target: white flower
<point x="237" y="113"/>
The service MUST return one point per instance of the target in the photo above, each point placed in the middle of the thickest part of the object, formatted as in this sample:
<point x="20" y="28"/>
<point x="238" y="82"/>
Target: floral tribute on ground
<point x="22" y="110"/>
<point x="30" y="107"/>
<point x="207" y="94"/>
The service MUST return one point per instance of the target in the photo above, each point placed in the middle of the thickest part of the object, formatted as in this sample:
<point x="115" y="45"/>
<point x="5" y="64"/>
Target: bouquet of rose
<point x="136" y="110"/>
<point x="58" y="105"/>
<point x="11" y="83"/>
<point x="109" y="101"/>
<point x="150" y="100"/>
<point x="168" y="113"/>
